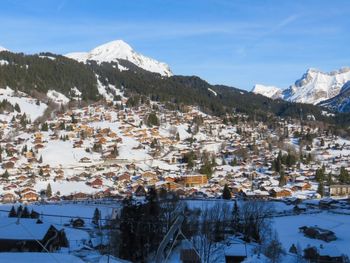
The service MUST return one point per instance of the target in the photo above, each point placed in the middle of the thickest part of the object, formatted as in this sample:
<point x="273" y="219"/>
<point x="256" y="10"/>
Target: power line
<point x="51" y="255"/>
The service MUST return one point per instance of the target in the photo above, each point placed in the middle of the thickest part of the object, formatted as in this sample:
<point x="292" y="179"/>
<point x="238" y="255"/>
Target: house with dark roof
<point x="32" y="235"/>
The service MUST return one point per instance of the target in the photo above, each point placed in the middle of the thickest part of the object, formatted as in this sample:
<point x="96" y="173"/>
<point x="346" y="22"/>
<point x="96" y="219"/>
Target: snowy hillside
<point x="3" y="49"/>
<point x="316" y="86"/>
<point x="118" y="49"/>
<point x="28" y="105"/>
<point x="267" y="91"/>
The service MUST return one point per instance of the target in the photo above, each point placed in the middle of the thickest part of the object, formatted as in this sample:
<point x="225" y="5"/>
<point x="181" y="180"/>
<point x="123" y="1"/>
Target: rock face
<point x="316" y="86"/>
<point x="267" y="91"/>
<point x="119" y="50"/>
<point x="341" y="102"/>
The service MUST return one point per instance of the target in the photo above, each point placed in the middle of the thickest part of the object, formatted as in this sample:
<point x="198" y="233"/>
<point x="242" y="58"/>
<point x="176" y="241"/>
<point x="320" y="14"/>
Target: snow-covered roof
<point x="23" y="229"/>
<point x="24" y="257"/>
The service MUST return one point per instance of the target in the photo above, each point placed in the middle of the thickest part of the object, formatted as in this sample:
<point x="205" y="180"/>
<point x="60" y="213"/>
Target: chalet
<point x="79" y="196"/>
<point x="8" y="198"/>
<point x="78" y="222"/>
<point x="318" y="233"/>
<point x="14" y="237"/>
<point x="327" y="255"/>
<point x="8" y="165"/>
<point x="96" y="183"/>
<point x="54" y="199"/>
<point x="124" y="176"/>
<point x="235" y="253"/>
<point x="339" y="190"/>
<point x="301" y="187"/>
<point x="280" y="192"/>
<point x="193" y="180"/>
<point x="39" y="146"/>
<point x="29" y="196"/>
<point x="85" y="160"/>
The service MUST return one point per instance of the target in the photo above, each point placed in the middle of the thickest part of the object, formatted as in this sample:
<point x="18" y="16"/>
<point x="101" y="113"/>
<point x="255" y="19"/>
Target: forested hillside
<point x="48" y="71"/>
<point x="45" y="72"/>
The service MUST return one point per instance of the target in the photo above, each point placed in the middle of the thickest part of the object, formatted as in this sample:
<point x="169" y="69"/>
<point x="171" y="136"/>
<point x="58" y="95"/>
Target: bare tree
<point x="273" y="249"/>
<point x="254" y="215"/>
<point x="213" y="224"/>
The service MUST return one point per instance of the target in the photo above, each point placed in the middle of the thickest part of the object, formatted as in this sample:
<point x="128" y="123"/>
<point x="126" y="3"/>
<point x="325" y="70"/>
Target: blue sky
<point x="231" y="42"/>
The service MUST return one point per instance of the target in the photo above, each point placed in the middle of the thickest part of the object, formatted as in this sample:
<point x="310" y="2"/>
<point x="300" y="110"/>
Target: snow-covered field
<point x="58" y="153"/>
<point x="288" y="231"/>
<point x="78" y="209"/>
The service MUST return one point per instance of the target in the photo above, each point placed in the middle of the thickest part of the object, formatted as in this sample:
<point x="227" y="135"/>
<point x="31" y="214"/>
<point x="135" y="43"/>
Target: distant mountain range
<point x="112" y="68"/>
<point x="314" y="87"/>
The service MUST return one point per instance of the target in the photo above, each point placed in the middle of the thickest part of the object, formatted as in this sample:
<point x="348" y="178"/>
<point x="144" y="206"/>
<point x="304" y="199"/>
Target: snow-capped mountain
<point x="341" y="102"/>
<point x="267" y="91"/>
<point x="316" y="86"/>
<point x="118" y="49"/>
<point x="313" y="87"/>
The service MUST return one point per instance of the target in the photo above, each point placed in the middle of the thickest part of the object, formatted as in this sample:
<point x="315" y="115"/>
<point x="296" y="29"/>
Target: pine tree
<point x="25" y="213"/>
<point x="234" y="162"/>
<point x="17" y="108"/>
<point x="330" y="179"/>
<point x="344" y="176"/>
<point x="48" y="191"/>
<point x="309" y="158"/>
<point x="282" y="180"/>
<point x="34" y="214"/>
<point x="152" y="198"/>
<point x="44" y="126"/>
<point x="5" y="175"/>
<point x="235" y="221"/>
<point x="226" y="193"/>
<point x="322" y="142"/>
<point x="19" y="211"/>
<point x="12" y="212"/>
<point x="320" y="189"/>
<point x="96" y="217"/>
<point x="320" y="176"/>
<point x="152" y="120"/>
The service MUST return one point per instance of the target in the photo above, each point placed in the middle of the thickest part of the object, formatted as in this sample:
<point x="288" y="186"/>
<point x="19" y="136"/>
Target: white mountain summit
<point x="312" y="88"/>
<point x="118" y="49"/>
<point x="316" y="86"/>
<point x="267" y="91"/>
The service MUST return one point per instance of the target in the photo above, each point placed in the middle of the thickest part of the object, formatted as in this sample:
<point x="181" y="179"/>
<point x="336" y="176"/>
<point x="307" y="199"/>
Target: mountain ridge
<point x="118" y="49"/>
<point x="314" y="87"/>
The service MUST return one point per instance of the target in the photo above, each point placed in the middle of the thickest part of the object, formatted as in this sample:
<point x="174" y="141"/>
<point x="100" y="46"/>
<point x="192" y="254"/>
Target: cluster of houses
<point x="117" y="154"/>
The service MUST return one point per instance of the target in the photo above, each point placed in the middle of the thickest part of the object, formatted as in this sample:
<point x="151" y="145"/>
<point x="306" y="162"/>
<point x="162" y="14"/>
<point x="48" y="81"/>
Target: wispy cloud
<point x="243" y="50"/>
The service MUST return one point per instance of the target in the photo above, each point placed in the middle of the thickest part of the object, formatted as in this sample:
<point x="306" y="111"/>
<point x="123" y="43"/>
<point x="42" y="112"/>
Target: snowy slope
<point x="118" y="49"/>
<point x="267" y="91"/>
<point x="57" y="97"/>
<point x="316" y="86"/>
<point x="27" y="104"/>
<point x="3" y="49"/>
